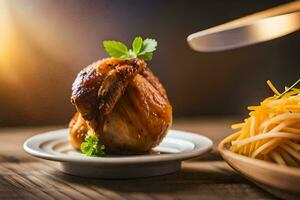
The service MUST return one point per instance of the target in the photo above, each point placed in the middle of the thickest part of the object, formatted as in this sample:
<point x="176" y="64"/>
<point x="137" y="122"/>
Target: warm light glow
<point x="6" y="46"/>
<point x="16" y="56"/>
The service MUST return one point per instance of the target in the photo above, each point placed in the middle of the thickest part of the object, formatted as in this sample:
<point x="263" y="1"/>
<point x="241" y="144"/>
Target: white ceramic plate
<point x="166" y="158"/>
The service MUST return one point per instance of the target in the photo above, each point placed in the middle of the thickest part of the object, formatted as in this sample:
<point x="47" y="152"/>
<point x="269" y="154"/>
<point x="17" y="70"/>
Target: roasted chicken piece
<point x="122" y="103"/>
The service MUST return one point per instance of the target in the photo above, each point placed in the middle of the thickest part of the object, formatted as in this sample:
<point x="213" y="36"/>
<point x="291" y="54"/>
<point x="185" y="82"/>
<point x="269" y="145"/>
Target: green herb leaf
<point x="115" y="49"/>
<point x="149" y="45"/>
<point x="147" y="56"/>
<point x="288" y="89"/>
<point x="92" y="146"/>
<point x="131" y="54"/>
<point x="142" y="49"/>
<point x="137" y="44"/>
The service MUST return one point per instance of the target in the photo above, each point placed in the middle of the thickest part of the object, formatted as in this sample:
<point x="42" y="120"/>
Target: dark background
<point x="44" y="44"/>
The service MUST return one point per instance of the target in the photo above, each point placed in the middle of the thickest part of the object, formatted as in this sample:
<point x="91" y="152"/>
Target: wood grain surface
<point x="26" y="177"/>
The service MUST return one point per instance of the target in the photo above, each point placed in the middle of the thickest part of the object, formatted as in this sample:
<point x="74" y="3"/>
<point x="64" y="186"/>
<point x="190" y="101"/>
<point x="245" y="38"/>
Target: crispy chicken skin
<point x="123" y="103"/>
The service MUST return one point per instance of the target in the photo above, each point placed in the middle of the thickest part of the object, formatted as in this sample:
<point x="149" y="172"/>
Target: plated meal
<point x="272" y="130"/>
<point x="121" y="106"/>
<point x="122" y="120"/>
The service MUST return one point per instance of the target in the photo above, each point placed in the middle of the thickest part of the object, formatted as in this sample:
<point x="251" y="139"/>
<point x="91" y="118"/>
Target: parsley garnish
<point x="142" y="49"/>
<point x="92" y="146"/>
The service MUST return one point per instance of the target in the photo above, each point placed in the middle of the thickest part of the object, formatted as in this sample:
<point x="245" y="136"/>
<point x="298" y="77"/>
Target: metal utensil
<point x="252" y="29"/>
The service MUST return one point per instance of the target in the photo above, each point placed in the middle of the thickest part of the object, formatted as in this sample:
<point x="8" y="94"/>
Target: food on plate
<point x="272" y="130"/>
<point x="121" y="105"/>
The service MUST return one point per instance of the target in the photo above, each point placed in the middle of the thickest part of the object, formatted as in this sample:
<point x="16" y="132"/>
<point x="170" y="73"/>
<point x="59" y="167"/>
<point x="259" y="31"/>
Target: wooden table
<point x="25" y="177"/>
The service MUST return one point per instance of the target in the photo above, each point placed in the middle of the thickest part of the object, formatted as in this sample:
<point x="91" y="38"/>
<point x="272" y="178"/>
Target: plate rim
<point x="126" y="160"/>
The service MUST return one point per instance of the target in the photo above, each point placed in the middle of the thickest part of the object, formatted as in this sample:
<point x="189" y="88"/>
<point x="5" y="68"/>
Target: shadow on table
<point x="192" y="180"/>
<point x="189" y="178"/>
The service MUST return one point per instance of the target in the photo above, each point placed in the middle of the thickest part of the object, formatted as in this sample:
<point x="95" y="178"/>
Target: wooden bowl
<point x="280" y="180"/>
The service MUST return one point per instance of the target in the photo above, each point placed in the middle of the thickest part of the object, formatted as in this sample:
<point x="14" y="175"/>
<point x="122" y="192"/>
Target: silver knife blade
<point x="222" y="38"/>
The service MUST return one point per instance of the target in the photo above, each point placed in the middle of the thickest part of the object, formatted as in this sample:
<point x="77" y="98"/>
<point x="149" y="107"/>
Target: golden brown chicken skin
<point x="123" y="103"/>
